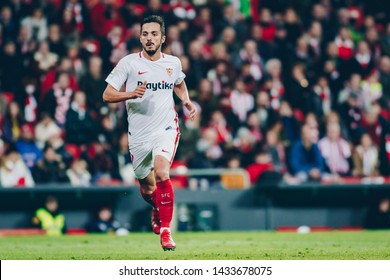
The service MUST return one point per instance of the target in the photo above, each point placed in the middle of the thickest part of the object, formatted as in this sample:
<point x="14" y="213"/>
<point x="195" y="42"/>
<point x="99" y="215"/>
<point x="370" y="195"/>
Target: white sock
<point x="165" y="228"/>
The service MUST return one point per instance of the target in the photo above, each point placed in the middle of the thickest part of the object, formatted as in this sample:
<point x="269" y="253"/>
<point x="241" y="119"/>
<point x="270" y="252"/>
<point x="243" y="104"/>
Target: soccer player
<point x="149" y="77"/>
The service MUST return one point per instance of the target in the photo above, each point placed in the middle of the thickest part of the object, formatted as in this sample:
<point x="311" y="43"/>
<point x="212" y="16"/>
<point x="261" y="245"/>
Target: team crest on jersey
<point x="169" y="71"/>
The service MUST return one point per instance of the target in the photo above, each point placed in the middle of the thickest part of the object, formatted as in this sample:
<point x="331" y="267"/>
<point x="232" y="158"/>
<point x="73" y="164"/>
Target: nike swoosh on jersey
<point x="166" y="202"/>
<point x="164" y="151"/>
<point x="140" y="73"/>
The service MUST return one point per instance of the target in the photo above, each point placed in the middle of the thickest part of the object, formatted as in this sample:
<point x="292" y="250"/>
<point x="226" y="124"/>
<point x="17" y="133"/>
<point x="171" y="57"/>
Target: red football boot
<point x="155" y="221"/>
<point x="167" y="242"/>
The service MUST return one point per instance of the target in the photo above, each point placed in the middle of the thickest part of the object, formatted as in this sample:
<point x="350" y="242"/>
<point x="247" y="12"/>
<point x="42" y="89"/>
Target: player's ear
<point x="163" y="39"/>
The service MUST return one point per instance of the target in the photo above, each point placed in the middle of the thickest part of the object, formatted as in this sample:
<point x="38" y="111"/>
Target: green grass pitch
<point x="252" y="245"/>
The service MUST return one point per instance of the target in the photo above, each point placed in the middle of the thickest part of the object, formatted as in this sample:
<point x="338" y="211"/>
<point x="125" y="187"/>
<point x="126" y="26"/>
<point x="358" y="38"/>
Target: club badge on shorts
<point x="169" y="71"/>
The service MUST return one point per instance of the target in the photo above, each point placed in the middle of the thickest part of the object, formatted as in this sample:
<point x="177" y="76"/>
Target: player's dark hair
<point x="156" y="19"/>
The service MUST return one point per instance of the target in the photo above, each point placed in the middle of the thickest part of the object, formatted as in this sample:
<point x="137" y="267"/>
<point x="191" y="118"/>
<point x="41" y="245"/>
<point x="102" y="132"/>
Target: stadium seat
<point x="235" y="179"/>
<point x="74" y="150"/>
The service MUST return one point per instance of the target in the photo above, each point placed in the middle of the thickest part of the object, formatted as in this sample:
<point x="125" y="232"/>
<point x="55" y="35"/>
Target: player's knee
<point x="148" y="189"/>
<point x="161" y="174"/>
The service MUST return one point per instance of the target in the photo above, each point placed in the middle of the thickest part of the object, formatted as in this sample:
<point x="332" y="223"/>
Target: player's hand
<point x="139" y="91"/>
<point x="191" y="109"/>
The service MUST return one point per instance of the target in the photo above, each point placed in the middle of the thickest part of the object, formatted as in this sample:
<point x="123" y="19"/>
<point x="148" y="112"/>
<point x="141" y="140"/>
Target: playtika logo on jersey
<point x="156" y="86"/>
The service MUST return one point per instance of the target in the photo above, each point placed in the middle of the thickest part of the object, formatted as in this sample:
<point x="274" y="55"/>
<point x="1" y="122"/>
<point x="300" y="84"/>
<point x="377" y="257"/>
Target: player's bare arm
<point x="111" y="95"/>
<point x="182" y="92"/>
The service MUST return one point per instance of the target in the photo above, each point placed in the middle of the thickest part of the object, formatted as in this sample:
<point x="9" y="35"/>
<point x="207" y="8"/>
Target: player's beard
<point x="152" y="52"/>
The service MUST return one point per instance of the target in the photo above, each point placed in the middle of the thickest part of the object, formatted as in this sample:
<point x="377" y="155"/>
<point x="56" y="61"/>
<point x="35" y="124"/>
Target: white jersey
<point x="154" y="113"/>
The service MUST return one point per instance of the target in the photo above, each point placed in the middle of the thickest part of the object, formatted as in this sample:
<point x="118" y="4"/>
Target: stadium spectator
<point x="50" y="169"/>
<point x="351" y="116"/>
<point x="206" y="100"/>
<point x="13" y="171"/>
<point x="219" y="123"/>
<point x="27" y="96"/>
<point x="114" y="47"/>
<point x="344" y="43"/>
<point x="352" y="88"/>
<point x="78" y="174"/>
<point x="311" y="121"/>
<point x="26" y="146"/>
<point x="253" y="123"/>
<point x="92" y="83"/>
<point x="262" y="162"/>
<point x="250" y="55"/>
<point x="37" y="24"/>
<point x="305" y="159"/>
<point x="78" y="65"/>
<point x="274" y="147"/>
<point x="49" y="218"/>
<point x="242" y="102"/>
<point x="384" y="76"/>
<point x="57" y="100"/>
<point x="62" y="149"/>
<point x="365" y="158"/>
<point x="336" y="151"/>
<point x="289" y="122"/>
<point x="219" y="76"/>
<point x="276" y="89"/>
<point x="104" y="222"/>
<point x="8" y="24"/>
<point x="189" y="130"/>
<point x="55" y="40"/>
<point x="245" y="142"/>
<point x="173" y="41"/>
<point x="123" y="168"/>
<point x="11" y="67"/>
<point x="374" y="124"/>
<point x="100" y="162"/>
<point x="104" y="15"/>
<point x="208" y="151"/>
<point x="228" y="38"/>
<point x="80" y="14"/>
<point x="197" y="64"/>
<point x="362" y="62"/>
<point x="265" y="113"/>
<point x="112" y="122"/>
<point x="25" y="45"/>
<point x="154" y="7"/>
<point x="49" y="79"/>
<point x="385" y="42"/>
<point x="45" y="129"/>
<point x="133" y="43"/>
<point x="12" y="123"/>
<point x="292" y="25"/>
<point x="298" y="90"/>
<point x="44" y="59"/>
<point x="322" y="102"/>
<point x="80" y="126"/>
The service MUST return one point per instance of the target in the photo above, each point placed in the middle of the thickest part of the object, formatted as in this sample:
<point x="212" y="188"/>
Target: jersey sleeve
<point x="181" y="75"/>
<point x="118" y="75"/>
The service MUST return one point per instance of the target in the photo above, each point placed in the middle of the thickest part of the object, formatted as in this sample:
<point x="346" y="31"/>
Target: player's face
<point x="151" y="38"/>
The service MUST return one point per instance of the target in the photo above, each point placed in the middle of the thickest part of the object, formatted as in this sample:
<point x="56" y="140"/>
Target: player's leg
<point x="148" y="193"/>
<point x="165" y="200"/>
<point x="164" y="152"/>
<point x="143" y="168"/>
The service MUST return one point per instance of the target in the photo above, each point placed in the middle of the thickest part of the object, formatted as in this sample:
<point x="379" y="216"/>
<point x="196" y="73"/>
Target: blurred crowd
<point x="301" y="88"/>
